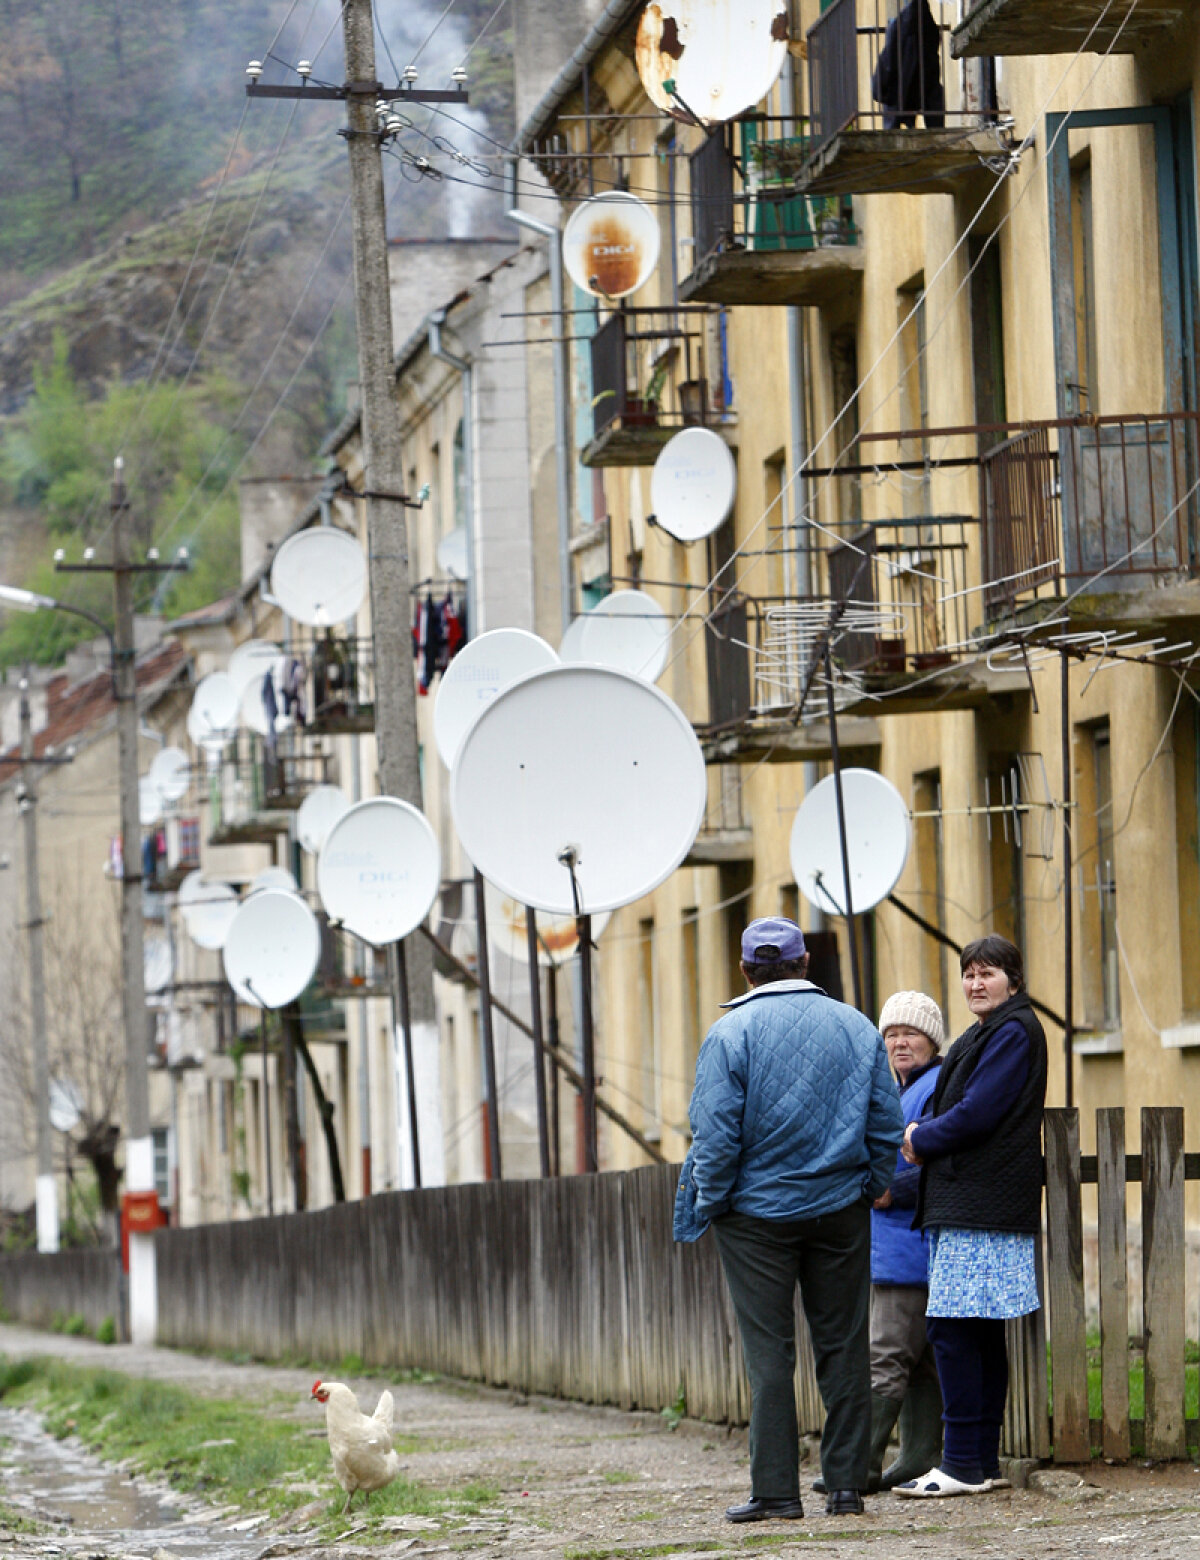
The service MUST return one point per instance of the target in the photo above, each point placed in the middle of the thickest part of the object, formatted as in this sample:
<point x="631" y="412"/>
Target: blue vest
<point x="900" y="1254"/>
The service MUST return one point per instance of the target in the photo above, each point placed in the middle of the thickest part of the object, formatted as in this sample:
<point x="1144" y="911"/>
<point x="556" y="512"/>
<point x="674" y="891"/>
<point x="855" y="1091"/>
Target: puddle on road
<point x="64" y="1480"/>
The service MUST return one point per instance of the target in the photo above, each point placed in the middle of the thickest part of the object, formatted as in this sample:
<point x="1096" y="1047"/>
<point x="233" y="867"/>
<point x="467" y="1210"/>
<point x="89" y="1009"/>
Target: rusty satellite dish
<point x="723" y="56"/>
<point x="610" y="245"/>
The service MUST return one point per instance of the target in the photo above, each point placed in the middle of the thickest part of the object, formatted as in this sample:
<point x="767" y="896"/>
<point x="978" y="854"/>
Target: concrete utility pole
<point x="383" y="477"/>
<point x="46" y="1185"/>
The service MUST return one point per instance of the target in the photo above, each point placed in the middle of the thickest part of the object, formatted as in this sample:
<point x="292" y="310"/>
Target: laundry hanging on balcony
<point x="908" y="74"/>
<point x="439" y="633"/>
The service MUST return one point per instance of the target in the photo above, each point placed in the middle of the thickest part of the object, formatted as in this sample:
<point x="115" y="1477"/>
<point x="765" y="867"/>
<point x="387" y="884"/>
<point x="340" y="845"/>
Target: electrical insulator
<point x="152" y="555"/>
<point x="88" y="554"/>
<point x="459" y="75"/>
<point x="393" y="124"/>
<point x="410" y="74"/>
<point x="254" y="69"/>
<point x="304" y="68"/>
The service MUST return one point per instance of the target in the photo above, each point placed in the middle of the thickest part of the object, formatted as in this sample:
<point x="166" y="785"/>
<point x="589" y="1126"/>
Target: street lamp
<point x="34" y="601"/>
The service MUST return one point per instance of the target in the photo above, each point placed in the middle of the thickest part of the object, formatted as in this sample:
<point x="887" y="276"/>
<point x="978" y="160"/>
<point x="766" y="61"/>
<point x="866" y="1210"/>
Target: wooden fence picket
<point x="1163" y="1279"/>
<point x="1114" y="1283"/>
<point x="1068" y="1329"/>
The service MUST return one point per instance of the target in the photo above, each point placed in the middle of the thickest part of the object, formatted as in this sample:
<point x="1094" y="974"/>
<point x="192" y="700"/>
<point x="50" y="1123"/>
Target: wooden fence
<point x="574" y="1288"/>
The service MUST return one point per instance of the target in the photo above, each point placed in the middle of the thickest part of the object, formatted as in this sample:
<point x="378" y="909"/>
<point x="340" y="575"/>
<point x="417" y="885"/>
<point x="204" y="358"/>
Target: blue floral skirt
<point x="988" y="1273"/>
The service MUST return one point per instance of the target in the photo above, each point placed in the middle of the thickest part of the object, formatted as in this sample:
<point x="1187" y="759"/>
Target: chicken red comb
<point x="316" y="1384"/>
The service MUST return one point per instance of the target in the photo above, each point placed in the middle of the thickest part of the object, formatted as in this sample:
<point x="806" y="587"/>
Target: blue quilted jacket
<point x="795" y="1112"/>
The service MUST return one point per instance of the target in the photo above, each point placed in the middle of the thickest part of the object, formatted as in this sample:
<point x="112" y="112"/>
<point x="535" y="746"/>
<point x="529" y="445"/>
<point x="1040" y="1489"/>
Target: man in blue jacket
<point x="795" y="1123"/>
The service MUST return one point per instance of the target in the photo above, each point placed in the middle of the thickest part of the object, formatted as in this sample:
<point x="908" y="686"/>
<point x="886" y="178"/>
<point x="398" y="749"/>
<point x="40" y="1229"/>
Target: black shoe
<point x="756" y="1510"/>
<point x="844" y="1503"/>
<point x="819" y="1486"/>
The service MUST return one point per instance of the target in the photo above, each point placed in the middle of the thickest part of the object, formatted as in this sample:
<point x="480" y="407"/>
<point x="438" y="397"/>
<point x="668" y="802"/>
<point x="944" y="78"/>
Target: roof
<point x="75" y="709"/>
<point x="614" y="18"/>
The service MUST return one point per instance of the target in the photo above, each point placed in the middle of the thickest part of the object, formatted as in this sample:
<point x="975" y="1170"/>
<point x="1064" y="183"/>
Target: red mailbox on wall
<point x="141" y="1214"/>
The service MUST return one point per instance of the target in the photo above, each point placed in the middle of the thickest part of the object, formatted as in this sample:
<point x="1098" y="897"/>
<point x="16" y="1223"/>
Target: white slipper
<point x="936" y="1485"/>
<point x="998" y="1483"/>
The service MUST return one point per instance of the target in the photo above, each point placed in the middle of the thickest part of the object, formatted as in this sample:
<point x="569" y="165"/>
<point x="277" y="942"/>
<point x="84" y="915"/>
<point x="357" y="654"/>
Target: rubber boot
<point x="884" y="1413"/>
<point x="920" y="1433"/>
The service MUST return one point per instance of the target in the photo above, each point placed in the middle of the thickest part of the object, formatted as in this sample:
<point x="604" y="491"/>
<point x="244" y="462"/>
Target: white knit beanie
<point x="916" y="1011"/>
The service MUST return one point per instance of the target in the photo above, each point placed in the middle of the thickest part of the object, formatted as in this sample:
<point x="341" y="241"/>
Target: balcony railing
<point x="649" y="379"/>
<point x="255" y="784"/>
<point x="755" y="240"/>
<point x="871" y="76"/>
<point x="342" y="679"/>
<point x="348" y="967"/>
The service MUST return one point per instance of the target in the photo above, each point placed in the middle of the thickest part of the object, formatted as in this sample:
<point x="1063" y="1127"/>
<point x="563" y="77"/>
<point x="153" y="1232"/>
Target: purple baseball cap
<point x="770" y="939"/>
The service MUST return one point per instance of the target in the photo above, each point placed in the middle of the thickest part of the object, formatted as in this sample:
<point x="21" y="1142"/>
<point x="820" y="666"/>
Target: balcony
<point x="1002" y="27"/>
<point x="649" y="379"/>
<point x="869" y="80"/>
<point x="348" y="967"/>
<point x="254" y="791"/>
<point x="342" y="679"/>
<point x="755" y="240"/>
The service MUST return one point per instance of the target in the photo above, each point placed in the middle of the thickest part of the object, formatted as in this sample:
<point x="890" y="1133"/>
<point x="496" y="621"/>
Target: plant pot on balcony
<point x="638" y="413"/>
<point x="890" y="654"/>
<point x="693" y="401"/>
<point x="931" y="660"/>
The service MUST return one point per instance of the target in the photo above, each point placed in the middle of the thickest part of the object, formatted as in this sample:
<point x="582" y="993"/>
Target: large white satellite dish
<point x="878" y="838"/>
<point x="452" y="556"/>
<point x="723" y="56"/>
<point x="272" y="950"/>
<point x="170" y="774"/>
<point x="158" y="964"/>
<point x="318" y="813"/>
<point x="380" y="869"/>
<point x="209" y="914"/>
<point x="253" y="712"/>
<point x="571" y="646"/>
<point x="277" y="878"/>
<point x="150" y="802"/>
<point x="582" y="760"/>
<point x="483" y="668"/>
<point x="66" y="1105"/>
<point x="610" y="245"/>
<point x="693" y="484"/>
<point x="629" y="632"/>
<point x="557" y="940"/>
<point x="192" y="890"/>
<point x="251" y="661"/>
<point x="213" y="716"/>
<point x="319" y="576"/>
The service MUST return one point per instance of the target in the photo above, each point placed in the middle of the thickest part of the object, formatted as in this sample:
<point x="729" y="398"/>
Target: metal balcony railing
<point x="253" y="780"/>
<point x="649" y="369"/>
<point x="743" y="193"/>
<point x="347" y="966"/>
<point x="342" y="679"/>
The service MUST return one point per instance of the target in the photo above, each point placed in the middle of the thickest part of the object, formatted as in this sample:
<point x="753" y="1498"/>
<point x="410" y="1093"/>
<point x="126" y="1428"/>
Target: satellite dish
<point x="251" y="661"/>
<point x="318" y="813"/>
<point x="171" y="774"/>
<point x="557" y="941"/>
<point x="209" y="914"/>
<point x="878" y="839"/>
<point x="192" y="890"/>
<point x="571" y="646"/>
<point x="66" y="1105"/>
<point x="319" y="576"/>
<point x="610" y="245"/>
<point x="452" y="554"/>
<point x="723" y="56"/>
<point x="150" y="802"/>
<point x="252" y="710"/>
<point x="629" y="632"/>
<point x="582" y="759"/>
<point x="276" y="878"/>
<point x="483" y="668"/>
<point x="158" y="964"/>
<point x="272" y="950"/>
<point x="380" y="869"/>
<point x="693" y="484"/>
<point x="213" y="716"/>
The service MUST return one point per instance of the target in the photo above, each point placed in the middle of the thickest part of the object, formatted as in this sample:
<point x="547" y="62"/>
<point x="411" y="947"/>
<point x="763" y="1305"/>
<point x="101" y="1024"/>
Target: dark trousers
<point x="830" y="1258"/>
<point x="972" y="1366"/>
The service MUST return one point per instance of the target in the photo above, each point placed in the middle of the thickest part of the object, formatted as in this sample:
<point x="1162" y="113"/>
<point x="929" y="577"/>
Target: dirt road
<point x="578" y="1483"/>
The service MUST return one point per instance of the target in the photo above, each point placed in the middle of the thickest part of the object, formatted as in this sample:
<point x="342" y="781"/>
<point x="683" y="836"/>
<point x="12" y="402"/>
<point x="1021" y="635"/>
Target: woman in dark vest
<point x="980" y="1198"/>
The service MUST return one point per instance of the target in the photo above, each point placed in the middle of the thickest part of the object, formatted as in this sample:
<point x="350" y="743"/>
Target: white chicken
<point x="363" y="1458"/>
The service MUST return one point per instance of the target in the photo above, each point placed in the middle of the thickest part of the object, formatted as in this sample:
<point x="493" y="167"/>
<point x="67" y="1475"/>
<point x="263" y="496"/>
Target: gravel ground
<point x="580" y="1483"/>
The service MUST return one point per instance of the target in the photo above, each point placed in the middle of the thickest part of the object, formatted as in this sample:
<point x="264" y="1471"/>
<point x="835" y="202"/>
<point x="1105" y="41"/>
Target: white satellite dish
<point x="571" y="646"/>
<point x="170" y="774"/>
<point x="158" y="964"/>
<point x="318" y="813"/>
<point x="610" y="245"/>
<point x="380" y="869"/>
<point x="150" y="802"/>
<point x="452" y="557"/>
<point x="723" y="56"/>
<point x="557" y="942"/>
<point x="253" y="712"/>
<point x="209" y="914"/>
<point x="212" y="718"/>
<point x="251" y="661"/>
<point x="276" y="878"/>
<point x="693" y="484"/>
<point x="483" y="668"/>
<point x="66" y="1105"/>
<point x="272" y="950"/>
<point x="319" y="576"/>
<point x="192" y="890"/>
<point x="582" y="759"/>
<point x="629" y="632"/>
<point x="878" y="838"/>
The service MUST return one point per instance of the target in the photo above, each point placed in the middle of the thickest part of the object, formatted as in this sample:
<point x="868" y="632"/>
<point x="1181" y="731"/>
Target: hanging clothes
<point x="908" y="74"/>
<point x="431" y="644"/>
<point x="270" y="711"/>
<point x="294" y="689"/>
<point x="453" y="631"/>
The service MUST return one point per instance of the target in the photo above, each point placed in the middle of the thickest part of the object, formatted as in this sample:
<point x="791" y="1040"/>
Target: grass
<point x="619" y="1476"/>
<point x="646" y="1551"/>
<point x="254" y="1452"/>
<point x="1137" y="1380"/>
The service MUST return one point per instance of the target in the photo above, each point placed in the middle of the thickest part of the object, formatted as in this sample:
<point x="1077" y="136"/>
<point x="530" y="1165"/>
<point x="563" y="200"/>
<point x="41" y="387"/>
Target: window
<point x="1004" y="848"/>
<point x="735" y="879"/>
<point x="843" y="369"/>
<point x="780" y="536"/>
<point x="161" y="1139"/>
<point x="1099" y="954"/>
<point x="690" y="974"/>
<point x="1087" y="391"/>
<point x="987" y="335"/>
<point x="931" y="885"/>
<point x="789" y="902"/>
<point x="648" y="1028"/>
<point x="1187" y="856"/>
<point x="914" y="388"/>
<point x="460" y="478"/>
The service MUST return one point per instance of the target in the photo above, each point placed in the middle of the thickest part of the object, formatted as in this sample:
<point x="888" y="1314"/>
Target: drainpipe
<point x="463" y="365"/>
<point x="562" y="434"/>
